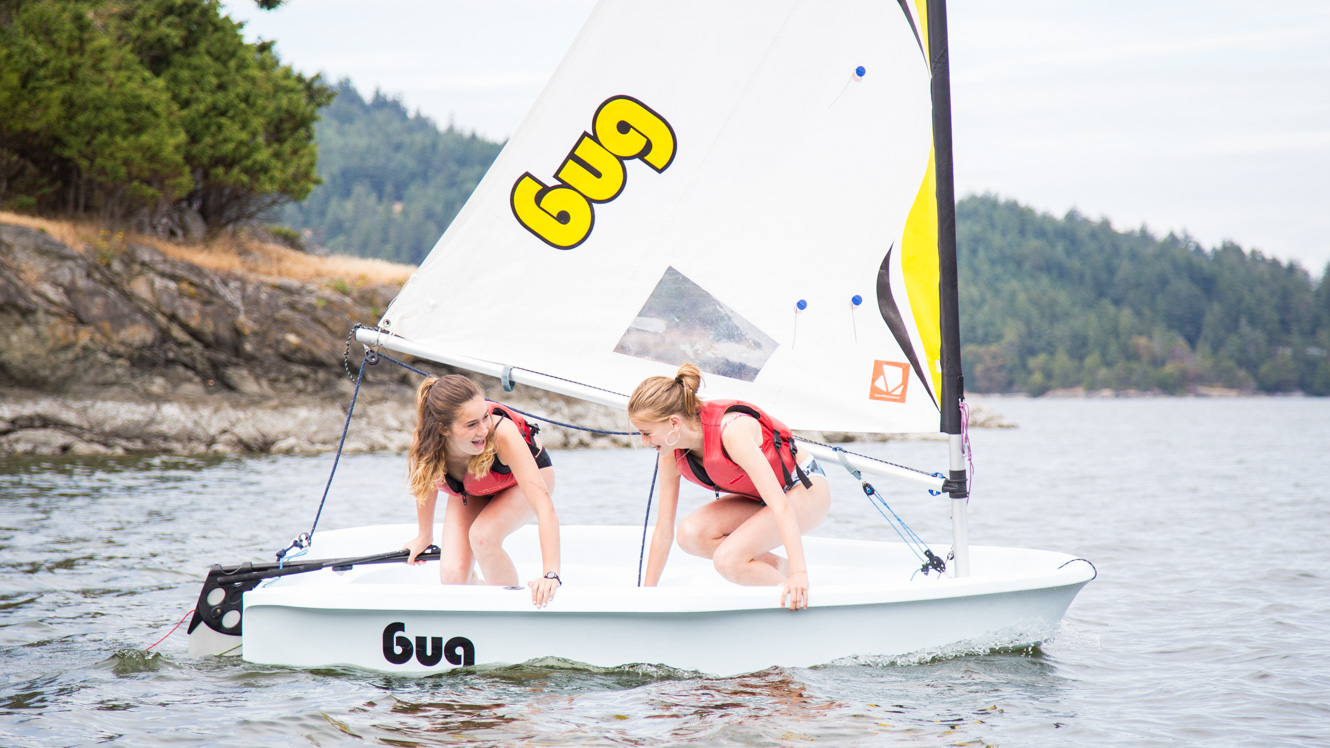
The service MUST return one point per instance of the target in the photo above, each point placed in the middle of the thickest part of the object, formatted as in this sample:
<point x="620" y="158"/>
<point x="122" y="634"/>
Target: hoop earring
<point x="669" y="443"/>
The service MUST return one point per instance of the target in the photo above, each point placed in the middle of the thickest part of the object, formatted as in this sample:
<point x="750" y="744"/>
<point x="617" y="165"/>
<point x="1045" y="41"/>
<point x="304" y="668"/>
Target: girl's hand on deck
<point x="796" y="590"/>
<point x="542" y="590"/>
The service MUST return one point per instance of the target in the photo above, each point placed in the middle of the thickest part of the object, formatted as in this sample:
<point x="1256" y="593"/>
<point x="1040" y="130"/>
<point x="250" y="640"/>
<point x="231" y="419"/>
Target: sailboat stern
<point x="215" y="628"/>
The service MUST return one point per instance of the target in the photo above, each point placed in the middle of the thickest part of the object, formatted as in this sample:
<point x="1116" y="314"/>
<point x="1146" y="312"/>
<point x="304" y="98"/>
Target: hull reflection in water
<point x="867" y="601"/>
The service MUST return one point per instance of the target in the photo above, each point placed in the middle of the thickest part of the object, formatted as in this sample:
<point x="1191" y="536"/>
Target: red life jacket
<point x="500" y="476"/>
<point x="718" y="472"/>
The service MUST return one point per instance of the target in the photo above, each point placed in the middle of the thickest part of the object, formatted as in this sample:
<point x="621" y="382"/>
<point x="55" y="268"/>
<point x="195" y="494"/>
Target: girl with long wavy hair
<point x="497" y="476"/>
<point x="766" y="495"/>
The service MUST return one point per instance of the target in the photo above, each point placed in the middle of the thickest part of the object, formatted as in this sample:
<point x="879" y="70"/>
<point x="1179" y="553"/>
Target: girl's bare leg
<point x="507" y="511"/>
<point x="739" y="539"/>
<point x="456" y="562"/>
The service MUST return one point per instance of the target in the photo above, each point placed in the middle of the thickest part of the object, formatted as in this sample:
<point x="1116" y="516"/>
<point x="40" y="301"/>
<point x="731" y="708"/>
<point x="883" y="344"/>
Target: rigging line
<point x="880" y="499"/>
<point x="965" y="445"/>
<point x="300" y="545"/>
<point x="370" y="358"/>
<point x="542" y="419"/>
<point x="191" y="610"/>
<point x="569" y="425"/>
<point x="405" y="365"/>
<point x="861" y="456"/>
<point x="913" y="542"/>
<point x="346" y="353"/>
<point x="879" y="504"/>
<point x="571" y="381"/>
<point x="1086" y="560"/>
<point x="641" y="554"/>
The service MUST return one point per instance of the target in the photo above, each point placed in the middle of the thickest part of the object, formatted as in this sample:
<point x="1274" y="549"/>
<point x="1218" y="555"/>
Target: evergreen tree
<point x="249" y="119"/>
<point x="132" y="110"/>
<point x="85" y="127"/>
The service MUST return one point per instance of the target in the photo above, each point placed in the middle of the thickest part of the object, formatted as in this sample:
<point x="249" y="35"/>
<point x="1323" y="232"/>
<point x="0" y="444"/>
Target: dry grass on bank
<point x="226" y="253"/>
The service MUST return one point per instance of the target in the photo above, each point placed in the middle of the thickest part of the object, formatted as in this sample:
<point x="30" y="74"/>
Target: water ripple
<point x="1203" y="627"/>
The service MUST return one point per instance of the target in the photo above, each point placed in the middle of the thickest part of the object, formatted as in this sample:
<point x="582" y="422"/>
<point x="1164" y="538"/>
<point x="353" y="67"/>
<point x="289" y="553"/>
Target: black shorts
<point x="543" y="458"/>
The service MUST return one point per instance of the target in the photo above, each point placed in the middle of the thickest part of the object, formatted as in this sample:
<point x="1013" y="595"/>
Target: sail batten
<point x="716" y="183"/>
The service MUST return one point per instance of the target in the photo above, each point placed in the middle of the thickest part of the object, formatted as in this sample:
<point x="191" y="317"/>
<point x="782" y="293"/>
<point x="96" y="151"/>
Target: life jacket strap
<point x="778" y="442"/>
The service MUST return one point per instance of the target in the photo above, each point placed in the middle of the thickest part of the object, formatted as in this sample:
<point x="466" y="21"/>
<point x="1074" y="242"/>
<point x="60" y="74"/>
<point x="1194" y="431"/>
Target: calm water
<point x="1209" y="623"/>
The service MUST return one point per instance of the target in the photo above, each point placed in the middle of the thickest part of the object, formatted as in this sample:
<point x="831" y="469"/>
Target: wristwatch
<point x="554" y="576"/>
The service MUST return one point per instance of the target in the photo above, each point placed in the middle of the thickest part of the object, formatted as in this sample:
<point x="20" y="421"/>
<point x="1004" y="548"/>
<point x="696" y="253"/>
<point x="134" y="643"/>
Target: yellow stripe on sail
<point x="921" y="6"/>
<point x="919" y="262"/>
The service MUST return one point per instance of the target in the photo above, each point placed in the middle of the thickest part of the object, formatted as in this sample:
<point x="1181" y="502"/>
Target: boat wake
<point x="131" y="661"/>
<point x="1026" y="642"/>
<point x="541" y="666"/>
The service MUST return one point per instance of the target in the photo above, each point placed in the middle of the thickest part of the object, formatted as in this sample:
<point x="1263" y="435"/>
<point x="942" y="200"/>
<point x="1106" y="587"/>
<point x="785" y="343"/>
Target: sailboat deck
<point x="600" y="571"/>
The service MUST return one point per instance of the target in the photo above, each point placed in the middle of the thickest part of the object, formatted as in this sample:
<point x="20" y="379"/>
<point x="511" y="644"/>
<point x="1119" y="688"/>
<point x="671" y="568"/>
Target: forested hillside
<point x="1059" y="303"/>
<point x="392" y="182"/>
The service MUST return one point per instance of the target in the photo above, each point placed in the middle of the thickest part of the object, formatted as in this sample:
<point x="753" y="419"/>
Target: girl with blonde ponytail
<point x="766" y="496"/>
<point x="497" y="476"/>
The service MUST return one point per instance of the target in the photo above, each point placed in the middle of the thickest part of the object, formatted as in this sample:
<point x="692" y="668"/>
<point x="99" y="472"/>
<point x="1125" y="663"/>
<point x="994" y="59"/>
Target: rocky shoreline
<point x="34" y="423"/>
<point x="114" y="348"/>
<point x="111" y="348"/>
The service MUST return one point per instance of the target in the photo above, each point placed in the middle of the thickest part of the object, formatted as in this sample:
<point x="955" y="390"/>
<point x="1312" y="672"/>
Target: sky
<point x="1210" y="117"/>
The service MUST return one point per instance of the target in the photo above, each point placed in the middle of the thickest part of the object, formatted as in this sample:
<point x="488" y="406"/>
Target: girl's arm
<point x="743" y="442"/>
<point x="425" y="521"/>
<point x="514" y="452"/>
<point x="662" y="539"/>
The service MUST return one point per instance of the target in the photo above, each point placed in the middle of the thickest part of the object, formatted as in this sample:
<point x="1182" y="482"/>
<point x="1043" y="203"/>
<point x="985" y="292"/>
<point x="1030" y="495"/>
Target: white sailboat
<point x="762" y="188"/>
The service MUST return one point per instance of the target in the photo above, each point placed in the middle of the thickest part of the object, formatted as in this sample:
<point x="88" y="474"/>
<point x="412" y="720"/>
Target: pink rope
<point x="965" y="444"/>
<point x="168" y="634"/>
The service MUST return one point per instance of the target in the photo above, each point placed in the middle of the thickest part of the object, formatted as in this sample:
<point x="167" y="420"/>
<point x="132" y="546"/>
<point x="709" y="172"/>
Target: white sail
<point x="731" y="176"/>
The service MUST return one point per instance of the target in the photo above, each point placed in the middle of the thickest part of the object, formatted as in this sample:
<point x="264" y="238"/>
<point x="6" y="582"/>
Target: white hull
<point x="864" y="604"/>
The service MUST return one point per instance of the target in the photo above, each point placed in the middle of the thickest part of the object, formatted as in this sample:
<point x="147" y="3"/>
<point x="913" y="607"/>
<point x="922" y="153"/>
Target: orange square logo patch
<point x="890" y="379"/>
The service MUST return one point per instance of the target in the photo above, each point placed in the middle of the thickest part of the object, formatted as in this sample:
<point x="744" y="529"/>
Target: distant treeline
<point x="392" y="181"/>
<point x="152" y="113"/>
<point x="1068" y="302"/>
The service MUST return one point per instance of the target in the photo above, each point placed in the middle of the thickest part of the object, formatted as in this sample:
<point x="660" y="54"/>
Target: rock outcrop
<point x="123" y="349"/>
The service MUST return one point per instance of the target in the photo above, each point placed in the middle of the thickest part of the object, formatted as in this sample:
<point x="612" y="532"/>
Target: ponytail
<point x="658" y="398"/>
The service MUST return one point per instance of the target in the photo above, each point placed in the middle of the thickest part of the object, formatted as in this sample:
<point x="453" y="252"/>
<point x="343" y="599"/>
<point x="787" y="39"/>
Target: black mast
<point x="952" y="378"/>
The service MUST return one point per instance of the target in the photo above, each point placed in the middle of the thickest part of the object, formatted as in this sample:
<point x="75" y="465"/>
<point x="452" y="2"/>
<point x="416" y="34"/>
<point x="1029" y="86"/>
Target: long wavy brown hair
<point x="437" y="401"/>
<point x="658" y="398"/>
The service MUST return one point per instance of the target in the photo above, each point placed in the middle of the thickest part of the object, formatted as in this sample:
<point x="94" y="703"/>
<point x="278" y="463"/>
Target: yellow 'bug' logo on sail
<point x="561" y="215"/>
